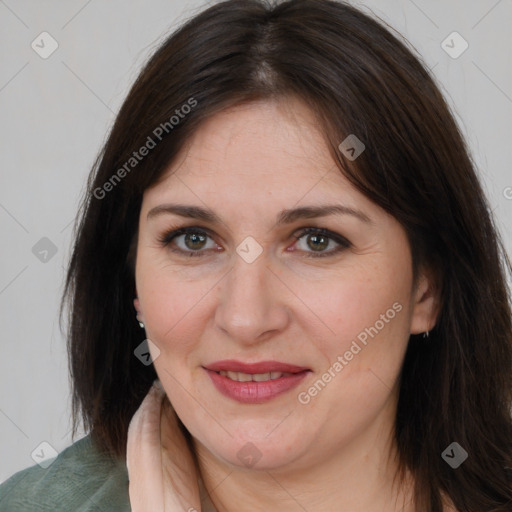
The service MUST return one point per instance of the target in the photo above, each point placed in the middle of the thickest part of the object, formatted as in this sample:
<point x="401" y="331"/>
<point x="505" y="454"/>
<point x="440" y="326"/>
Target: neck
<point x="357" y="476"/>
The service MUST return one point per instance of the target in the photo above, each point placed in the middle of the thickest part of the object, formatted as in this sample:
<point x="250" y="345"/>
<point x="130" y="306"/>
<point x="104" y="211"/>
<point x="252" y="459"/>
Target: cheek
<point x="172" y="306"/>
<point x="363" y="300"/>
<point x="367" y="311"/>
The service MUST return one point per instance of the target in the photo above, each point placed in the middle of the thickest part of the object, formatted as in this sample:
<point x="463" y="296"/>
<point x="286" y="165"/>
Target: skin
<point x="247" y="164"/>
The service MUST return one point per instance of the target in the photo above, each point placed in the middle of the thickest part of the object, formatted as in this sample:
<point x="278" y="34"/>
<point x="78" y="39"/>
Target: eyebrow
<point x="285" y="216"/>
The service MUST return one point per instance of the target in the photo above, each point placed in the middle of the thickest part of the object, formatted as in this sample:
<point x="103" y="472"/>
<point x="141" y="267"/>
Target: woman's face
<point x="276" y="346"/>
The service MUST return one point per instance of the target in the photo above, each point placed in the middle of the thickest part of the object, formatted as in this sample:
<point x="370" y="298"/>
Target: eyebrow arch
<point x="285" y="216"/>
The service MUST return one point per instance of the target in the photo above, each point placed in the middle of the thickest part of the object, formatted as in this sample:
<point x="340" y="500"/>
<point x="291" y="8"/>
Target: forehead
<point x="256" y="153"/>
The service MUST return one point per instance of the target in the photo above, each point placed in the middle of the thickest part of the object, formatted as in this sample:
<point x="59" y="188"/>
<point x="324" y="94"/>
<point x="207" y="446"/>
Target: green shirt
<point x="80" y="479"/>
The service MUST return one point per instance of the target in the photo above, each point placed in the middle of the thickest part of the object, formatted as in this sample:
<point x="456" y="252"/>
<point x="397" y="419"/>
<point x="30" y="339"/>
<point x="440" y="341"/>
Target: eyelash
<point x="169" y="236"/>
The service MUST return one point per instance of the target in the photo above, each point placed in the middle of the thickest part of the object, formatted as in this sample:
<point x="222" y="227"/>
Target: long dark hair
<point x="357" y="78"/>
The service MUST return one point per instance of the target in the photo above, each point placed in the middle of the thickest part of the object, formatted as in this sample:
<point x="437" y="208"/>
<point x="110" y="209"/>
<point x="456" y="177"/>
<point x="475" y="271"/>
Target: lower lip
<point x="255" y="392"/>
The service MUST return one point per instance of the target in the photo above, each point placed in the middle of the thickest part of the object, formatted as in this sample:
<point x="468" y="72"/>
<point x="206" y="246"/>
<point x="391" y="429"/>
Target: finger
<point x="143" y="455"/>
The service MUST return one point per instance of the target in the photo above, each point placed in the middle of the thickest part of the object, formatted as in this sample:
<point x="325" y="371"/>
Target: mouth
<point x="254" y="383"/>
<point x="253" y="377"/>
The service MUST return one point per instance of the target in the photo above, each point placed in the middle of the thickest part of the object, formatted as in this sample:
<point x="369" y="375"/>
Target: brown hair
<point x="358" y="78"/>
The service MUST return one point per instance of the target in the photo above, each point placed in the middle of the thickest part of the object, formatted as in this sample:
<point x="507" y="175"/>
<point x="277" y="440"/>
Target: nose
<point x="252" y="302"/>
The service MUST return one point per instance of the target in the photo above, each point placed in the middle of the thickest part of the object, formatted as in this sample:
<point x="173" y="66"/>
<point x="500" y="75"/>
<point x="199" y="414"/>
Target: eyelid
<point x="169" y="235"/>
<point x="325" y="232"/>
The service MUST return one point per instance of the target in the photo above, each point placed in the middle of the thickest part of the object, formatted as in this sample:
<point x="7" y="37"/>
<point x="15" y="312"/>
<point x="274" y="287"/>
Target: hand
<point x="161" y="468"/>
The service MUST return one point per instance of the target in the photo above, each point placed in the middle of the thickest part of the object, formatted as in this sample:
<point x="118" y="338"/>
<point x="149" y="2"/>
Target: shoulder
<point x="81" y="479"/>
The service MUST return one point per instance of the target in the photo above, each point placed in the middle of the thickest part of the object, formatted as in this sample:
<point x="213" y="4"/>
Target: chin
<point x="256" y="447"/>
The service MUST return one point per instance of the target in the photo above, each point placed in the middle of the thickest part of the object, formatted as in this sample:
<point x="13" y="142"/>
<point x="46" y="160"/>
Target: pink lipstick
<point x="254" y="383"/>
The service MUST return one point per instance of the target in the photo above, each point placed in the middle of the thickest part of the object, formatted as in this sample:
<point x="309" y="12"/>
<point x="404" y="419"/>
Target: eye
<point x="318" y="239"/>
<point x="193" y="241"/>
<point x="190" y="241"/>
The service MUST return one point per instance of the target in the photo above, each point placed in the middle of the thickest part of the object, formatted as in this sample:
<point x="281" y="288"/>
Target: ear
<point x="136" y="304"/>
<point x="426" y="302"/>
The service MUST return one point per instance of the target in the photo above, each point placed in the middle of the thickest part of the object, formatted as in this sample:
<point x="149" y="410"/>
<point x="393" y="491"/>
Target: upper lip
<point x="252" y="368"/>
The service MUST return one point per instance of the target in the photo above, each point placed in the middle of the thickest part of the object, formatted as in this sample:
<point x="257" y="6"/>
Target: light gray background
<point x="55" y="114"/>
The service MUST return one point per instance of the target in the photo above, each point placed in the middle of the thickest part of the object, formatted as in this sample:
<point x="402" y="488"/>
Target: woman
<point x="285" y="231"/>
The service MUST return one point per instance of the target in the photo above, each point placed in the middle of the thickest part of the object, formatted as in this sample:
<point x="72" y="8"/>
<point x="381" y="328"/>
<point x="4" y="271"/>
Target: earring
<point x="141" y="324"/>
<point x="425" y="334"/>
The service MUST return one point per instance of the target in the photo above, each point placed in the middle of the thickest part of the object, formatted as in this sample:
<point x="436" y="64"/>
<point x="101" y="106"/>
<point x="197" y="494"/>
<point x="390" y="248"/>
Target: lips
<point x="254" y="382"/>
